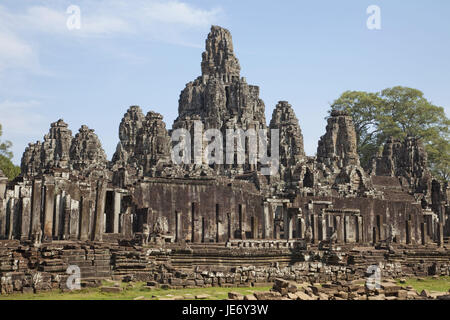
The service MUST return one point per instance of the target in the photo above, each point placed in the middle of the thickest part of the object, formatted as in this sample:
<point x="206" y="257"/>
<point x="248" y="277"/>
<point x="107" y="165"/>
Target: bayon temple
<point x="69" y="192"/>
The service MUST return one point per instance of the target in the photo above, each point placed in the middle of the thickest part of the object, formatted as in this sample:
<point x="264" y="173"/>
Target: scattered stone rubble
<point x="339" y="290"/>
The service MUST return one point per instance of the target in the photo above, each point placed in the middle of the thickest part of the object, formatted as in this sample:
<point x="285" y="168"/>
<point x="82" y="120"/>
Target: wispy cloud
<point x="15" y="52"/>
<point x="22" y="118"/>
<point x="166" y="21"/>
<point x="175" y="12"/>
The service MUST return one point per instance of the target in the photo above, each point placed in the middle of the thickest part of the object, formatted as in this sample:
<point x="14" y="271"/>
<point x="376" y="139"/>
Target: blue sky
<point x="144" y="52"/>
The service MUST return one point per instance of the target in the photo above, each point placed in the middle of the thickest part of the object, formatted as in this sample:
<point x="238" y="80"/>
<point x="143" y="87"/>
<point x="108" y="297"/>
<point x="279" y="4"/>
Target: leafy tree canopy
<point x="8" y="168"/>
<point x="398" y="112"/>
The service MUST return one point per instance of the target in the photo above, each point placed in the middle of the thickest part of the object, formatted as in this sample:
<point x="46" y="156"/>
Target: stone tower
<point x="144" y="142"/>
<point x="53" y="152"/>
<point x="337" y="155"/>
<point x="219" y="98"/>
<point x="407" y="160"/>
<point x="86" y="152"/>
<point x="291" y="138"/>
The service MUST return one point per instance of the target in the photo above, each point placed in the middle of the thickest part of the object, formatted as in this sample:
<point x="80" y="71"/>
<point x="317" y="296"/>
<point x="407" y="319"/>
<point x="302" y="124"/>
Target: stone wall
<point x="25" y="268"/>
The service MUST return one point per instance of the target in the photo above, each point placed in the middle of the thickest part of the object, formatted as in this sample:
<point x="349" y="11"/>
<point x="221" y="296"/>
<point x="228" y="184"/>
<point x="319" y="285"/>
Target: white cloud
<point x="180" y="13"/>
<point x="15" y="52"/>
<point x="166" y="21"/>
<point x="21" y="118"/>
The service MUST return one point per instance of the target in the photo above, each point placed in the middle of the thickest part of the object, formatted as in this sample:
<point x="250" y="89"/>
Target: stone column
<point x="407" y="231"/>
<point x="85" y="216"/>
<point x="340" y="229"/>
<point x="66" y="214"/>
<point x="2" y="218"/>
<point x="243" y="224"/>
<point x="117" y="200"/>
<point x="36" y="210"/>
<point x="194" y="223"/>
<point x="127" y="229"/>
<point x="74" y="219"/>
<point x="267" y="222"/>
<point x="276" y="231"/>
<point x="3" y="205"/>
<point x="441" y="234"/>
<point x="178" y="226"/>
<point x="3" y="183"/>
<point x="48" y="211"/>
<point x="255" y="232"/>
<point x="26" y="218"/>
<point x="99" y="211"/>
<point x="423" y="233"/>
<point x="323" y="234"/>
<point x="58" y="220"/>
<point x="10" y="212"/>
<point x="360" y="238"/>
<point x="315" y="227"/>
<point x="301" y="228"/>
<point x="287" y="223"/>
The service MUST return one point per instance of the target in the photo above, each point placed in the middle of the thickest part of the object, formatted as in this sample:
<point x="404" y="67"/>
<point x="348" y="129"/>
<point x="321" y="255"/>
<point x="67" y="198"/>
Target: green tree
<point x="398" y="112"/>
<point x="8" y="168"/>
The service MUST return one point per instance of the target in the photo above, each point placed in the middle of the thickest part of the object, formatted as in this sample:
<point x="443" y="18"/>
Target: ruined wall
<point x="27" y="269"/>
<point x="202" y="210"/>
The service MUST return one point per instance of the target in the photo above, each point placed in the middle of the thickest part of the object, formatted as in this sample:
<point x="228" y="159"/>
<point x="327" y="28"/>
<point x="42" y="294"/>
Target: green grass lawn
<point x="215" y="293"/>
<point x="441" y="284"/>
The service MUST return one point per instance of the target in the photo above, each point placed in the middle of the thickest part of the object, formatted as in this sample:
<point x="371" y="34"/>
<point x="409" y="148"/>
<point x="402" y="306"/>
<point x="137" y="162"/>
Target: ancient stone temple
<point x="69" y="191"/>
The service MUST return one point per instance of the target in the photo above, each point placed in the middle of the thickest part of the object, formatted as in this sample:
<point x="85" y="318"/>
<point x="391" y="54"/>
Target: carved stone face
<point x="91" y="155"/>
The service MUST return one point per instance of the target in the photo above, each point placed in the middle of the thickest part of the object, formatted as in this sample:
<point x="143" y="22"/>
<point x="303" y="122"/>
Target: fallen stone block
<point x="111" y="289"/>
<point x="235" y="296"/>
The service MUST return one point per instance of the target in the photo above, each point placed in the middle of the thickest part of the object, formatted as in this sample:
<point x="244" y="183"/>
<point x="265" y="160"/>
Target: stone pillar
<point x="242" y="218"/>
<point x="57" y="221"/>
<point x="267" y="222"/>
<point x="74" y="219"/>
<point x="36" y="207"/>
<point x="441" y="234"/>
<point x="301" y="228"/>
<point x="423" y="233"/>
<point x="117" y="200"/>
<point x="11" y="213"/>
<point x="85" y="216"/>
<point x="49" y="207"/>
<point x="2" y="218"/>
<point x="360" y="238"/>
<point x="315" y="227"/>
<point x="127" y="229"/>
<point x="340" y="229"/>
<point x="25" y="214"/>
<point x="3" y="205"/>
<point x="276" y="231"/>
<point x="220" y="233"/>
<point x="408" y="231"/>
<point x="323" y="234"/>
<point x="178" y="226"/>
<point x="66" y="215"/>
<point x="254" y="222"/>
<point x="194" y="223"/>
<point x="99" y="211"/>
<point x="3" y="183"/>
<point x="229" y="226"/>
<point x="287" y="223"/>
